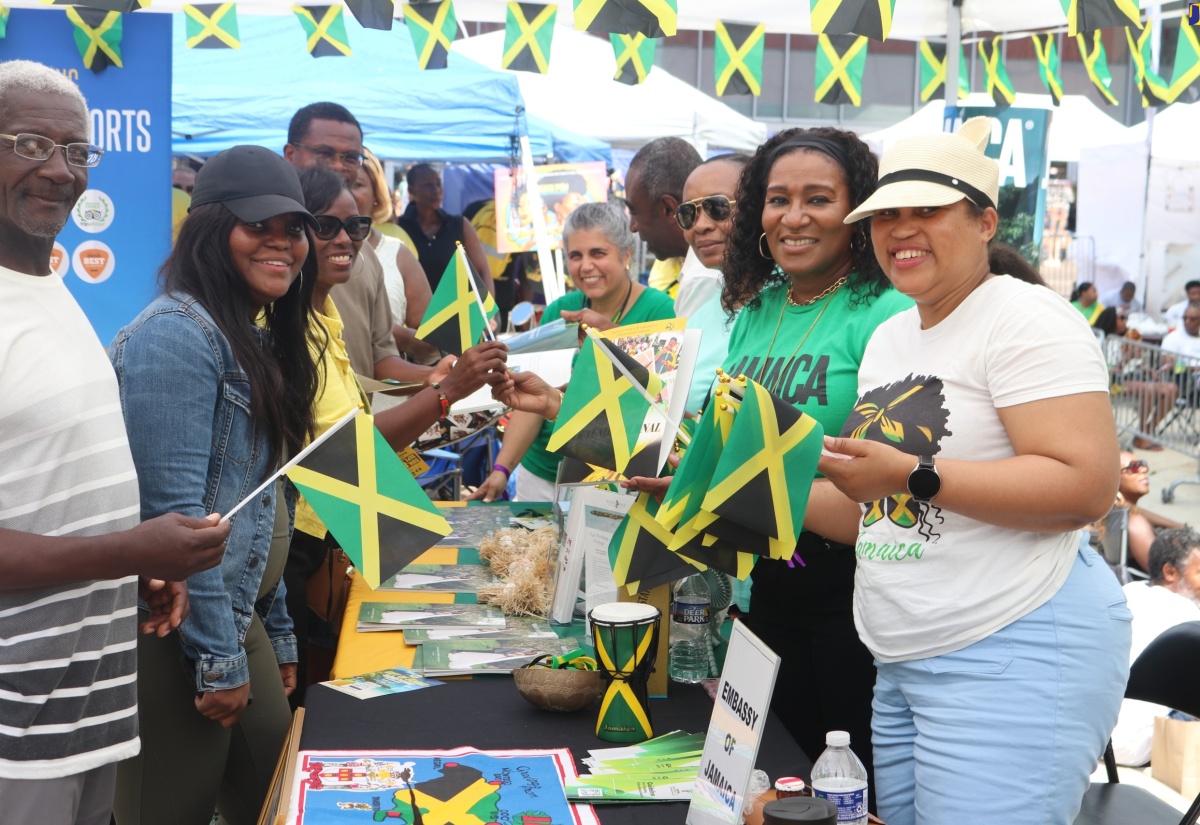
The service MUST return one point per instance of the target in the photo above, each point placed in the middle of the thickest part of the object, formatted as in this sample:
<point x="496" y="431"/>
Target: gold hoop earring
<point x="766" y="254"/>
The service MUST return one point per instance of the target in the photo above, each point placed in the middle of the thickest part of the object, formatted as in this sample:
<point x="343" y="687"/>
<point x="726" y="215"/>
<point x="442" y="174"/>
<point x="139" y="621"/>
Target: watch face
<point x="924" y="483"/>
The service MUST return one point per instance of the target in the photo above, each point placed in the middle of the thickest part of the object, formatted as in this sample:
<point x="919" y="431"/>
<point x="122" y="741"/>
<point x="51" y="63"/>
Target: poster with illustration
<point x="563" y="186"/>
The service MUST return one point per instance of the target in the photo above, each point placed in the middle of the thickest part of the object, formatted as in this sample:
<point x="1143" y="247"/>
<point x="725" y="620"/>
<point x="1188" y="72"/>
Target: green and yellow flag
<point x="123" y="6"/>
<point x="1155" y="90"/>
<point x="1046" y="49"/>
<point x="1186" y="68"/>
<point x="996" y="80"/>
<point x="770" y="442"/>
<point x="367" y="498"/>
<point x="635" y="57"/>
<point x="528" y="32"/>
<point x="212" y="26"/>
<point x="719" y="554"/>
<point x="3" y="21"/>
<point x="933" y="71"/>
<point x="324" y="29"/>
<point x="839" y="73"/>
<point x="602" y="412"/>
<point x="1095" y="61"/>
<point x="694" y="473"/>
<point x="638" y="551"/>
<point x="373" y="14"/>
<point x="453" y="320"/>
<point x="1090" y="15"/>
<point x="433" y="27"/>
<point x="97" y="36"/>
<point x="652" y="18"/>
<point x="738" y="59"/>
<point x="870" y="18"/>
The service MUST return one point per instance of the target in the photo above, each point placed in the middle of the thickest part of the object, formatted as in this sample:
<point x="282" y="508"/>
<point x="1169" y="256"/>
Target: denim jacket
<point x="187" y="410"/>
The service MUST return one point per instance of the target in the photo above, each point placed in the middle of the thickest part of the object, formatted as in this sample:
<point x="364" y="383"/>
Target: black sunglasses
<point x="717" y="207"/>
<point x="1135" y="466"/>
<point x="358" y="227"/>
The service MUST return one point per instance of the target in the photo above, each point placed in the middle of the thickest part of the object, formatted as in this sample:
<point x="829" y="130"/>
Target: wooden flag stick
<point x="487" y="322"/>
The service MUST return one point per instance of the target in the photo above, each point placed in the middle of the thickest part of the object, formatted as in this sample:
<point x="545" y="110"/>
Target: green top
<point x="821" y="377"/>
<point x="651" y="305"/>
<point x="1092" y="313"/>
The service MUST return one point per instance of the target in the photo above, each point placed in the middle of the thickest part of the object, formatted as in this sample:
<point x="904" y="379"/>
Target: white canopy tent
<point x="580" y="92"/>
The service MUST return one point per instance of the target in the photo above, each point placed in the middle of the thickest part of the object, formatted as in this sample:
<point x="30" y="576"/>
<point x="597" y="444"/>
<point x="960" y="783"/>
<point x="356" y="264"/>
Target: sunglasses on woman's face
<point x="1135" y="466"/>
<point x="717" y="207"/>
<point x="358" y="227"/>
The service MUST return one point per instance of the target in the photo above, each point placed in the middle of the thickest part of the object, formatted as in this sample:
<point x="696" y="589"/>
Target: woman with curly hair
<point x="812" y="293"/>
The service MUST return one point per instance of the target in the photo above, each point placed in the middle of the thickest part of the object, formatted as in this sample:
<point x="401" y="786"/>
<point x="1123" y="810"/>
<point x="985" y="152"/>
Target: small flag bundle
<point x="635" y="57"/>
<point x="869" y="18"/>
<point x="652" y="18"/>
<point x="841" y="59"/>
<point x="738" y="58"/>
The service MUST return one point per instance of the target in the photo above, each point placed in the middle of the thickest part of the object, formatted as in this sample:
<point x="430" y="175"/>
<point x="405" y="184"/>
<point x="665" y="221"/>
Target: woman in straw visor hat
<point x="981" y="443"/>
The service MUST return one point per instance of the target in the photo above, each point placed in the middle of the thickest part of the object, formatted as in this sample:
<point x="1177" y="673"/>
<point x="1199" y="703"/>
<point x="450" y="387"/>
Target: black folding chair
<point x="1166" y="673"/>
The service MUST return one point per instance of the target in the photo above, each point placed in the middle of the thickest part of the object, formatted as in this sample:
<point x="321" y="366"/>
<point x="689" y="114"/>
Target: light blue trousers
<point x="1009" y="729"/>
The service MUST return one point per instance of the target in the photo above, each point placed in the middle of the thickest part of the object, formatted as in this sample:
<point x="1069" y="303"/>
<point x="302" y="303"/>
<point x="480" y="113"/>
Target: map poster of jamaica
<point x="451" y="787"/>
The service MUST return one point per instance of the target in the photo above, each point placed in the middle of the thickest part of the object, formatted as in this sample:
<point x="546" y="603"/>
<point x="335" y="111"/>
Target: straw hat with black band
<point x="936" y="170"/>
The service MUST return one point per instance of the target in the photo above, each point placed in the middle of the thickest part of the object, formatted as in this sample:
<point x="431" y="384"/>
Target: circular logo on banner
<point x="94" y="211"/>
<point x="93" y="261"/>
<point x="60" y="261"/>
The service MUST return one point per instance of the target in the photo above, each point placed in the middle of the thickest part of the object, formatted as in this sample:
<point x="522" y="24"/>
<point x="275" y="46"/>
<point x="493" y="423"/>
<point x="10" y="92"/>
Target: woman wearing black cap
<point x="217" y="387"/>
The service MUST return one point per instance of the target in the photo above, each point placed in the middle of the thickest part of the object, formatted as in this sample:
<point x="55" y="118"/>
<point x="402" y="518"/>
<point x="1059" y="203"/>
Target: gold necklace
<point x="830" y="293"/>
<point x="834" y="287"/>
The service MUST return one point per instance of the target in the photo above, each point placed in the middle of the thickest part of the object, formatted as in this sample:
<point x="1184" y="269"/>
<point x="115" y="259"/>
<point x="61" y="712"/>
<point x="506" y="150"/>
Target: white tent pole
<point x="551" y="283"/>
<point x="953" y="49"/>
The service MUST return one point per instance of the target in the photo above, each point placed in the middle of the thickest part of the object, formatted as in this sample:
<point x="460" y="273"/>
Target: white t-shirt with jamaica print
<point x="929" y="581"/>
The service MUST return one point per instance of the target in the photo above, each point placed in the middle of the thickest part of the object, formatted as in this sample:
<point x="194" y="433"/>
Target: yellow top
<point x="180" y="202"/>
<point x="664" y="275"/>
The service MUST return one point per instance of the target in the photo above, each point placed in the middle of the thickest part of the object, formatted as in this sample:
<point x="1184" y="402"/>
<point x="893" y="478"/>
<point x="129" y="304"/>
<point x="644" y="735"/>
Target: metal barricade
<point x="1154" y="396"/>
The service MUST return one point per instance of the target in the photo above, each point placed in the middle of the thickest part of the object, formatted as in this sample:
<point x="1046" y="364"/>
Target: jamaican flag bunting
<point x="870" y="18"/>
<point x="453" y="321"/>
<point x="601" y="415"/>
<point x="433" y="27"/>
<point x="996" y="83"/>
<point x="652" y="18"/>
<point x="1095" y="61"/>
<point x="3" y="21"/>
<point x="122" y="6"/>
<point x="1046" y="49"/>
<point x="770" y="442"/>
<point x="1186" y="71"/>
<point x="638" y="551"/>
<point x="840" y="62"/>
<point x="325" y="30"/>
<point x="1155" y="90"/>
<point x="367" y="498"/>
<point x="738" y="60"/>
<point x="933" y="71"/>
<point x="635" y="57"/>
<point x="1090" y="15"/>
<point x="528" y="32"/>
<point x="212" y="26"/>
<point x="373" y="14"/>
<point x="97" y="36"/>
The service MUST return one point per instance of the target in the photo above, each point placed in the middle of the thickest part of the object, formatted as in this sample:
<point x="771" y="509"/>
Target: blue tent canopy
<point x="223" y="97"/>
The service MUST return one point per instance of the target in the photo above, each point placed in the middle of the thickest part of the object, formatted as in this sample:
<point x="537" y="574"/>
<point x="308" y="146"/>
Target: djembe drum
<point x="626" y="638"/>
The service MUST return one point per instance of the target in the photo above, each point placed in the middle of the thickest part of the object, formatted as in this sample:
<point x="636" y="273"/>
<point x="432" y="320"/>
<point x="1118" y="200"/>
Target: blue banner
<point x="120" y="230"/>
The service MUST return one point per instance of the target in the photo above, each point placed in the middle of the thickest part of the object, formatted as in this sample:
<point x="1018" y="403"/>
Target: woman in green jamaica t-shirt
<point x="599" y="247"/>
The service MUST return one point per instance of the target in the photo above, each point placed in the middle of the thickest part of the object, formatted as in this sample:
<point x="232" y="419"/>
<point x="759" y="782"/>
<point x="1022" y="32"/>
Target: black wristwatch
<point x="924" y="482"/>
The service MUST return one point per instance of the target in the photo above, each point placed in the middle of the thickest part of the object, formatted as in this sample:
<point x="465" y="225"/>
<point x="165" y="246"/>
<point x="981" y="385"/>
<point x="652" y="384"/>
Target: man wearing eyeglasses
<point x="326" y="134"/>
<point x="71" y="547"/>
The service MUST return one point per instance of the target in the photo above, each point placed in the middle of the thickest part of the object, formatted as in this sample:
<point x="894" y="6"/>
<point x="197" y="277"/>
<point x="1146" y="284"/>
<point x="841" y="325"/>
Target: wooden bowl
<point x="563" y="690"/>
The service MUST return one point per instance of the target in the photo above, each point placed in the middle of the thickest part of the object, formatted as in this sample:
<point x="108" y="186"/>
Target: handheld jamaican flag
<point x="373" y="14"/>
<point x="528" y="33"/>
<point x="1091" y="15"/>
<point x="719" y="554"/>
<point x="1095" y="61"/>
<point x="870" y="18"/>
<point x="933" y="71"/>
<point x="1046" y="49"/>
<point x="368" y="499"/>
<point x="459" y="311"/>
<point x="839" y="71"/>
<point x="694" y="473"/>
<point x="770" y="442"/>
<point x="97" y="36"/>
<point x="433" y="27"/>
<point x="324" y="30"/>
<point x="996" y="83"/>
<point x="738" y="59"/>
<point x="635" y="57"/>
<point x="653" y="18"/>
<point x="1155" y="90"/>
<point x="212" y="26"/>
<point x="638" y="551"/>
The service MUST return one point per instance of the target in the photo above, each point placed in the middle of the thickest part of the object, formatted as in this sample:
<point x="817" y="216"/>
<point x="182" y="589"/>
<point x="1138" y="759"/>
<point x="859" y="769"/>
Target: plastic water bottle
<point x="689" y="630"/>
<point x="841" y="778"/>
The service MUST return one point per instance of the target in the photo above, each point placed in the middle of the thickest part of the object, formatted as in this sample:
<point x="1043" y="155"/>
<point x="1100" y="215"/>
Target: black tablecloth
<point x="489" y="713"/>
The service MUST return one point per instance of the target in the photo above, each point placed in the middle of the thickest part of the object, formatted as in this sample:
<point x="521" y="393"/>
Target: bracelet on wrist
<point x="501" y="468"/>
<point x="445" y="402"/>
<point x="560" y="399"/>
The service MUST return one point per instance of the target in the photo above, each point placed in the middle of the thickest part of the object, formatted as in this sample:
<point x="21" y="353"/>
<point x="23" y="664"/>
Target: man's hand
<point x="173" y="547"/>
<point x="168" y="603"/>
<point x="224" y="706"/>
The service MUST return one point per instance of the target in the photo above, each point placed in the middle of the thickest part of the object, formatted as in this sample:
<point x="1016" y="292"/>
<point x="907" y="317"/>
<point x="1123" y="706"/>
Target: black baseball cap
<point x="253" y="183"/>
